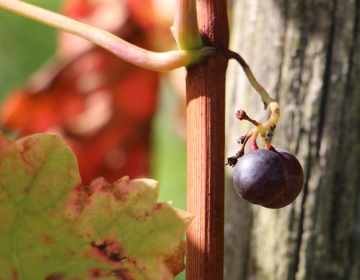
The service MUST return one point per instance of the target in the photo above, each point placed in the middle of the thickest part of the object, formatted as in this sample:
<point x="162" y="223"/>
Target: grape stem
<point x="260" y="128"/>
<point x="143" y="58"/>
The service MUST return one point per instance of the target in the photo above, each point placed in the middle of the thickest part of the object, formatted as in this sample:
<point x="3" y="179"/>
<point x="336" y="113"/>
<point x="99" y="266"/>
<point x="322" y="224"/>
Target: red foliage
<point x="101" y="105"/>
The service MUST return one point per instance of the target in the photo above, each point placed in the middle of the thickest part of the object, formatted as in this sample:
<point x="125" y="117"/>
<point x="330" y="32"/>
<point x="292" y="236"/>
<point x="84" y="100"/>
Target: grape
<point x="260" y="177"/>
<point x="295" y="180"/>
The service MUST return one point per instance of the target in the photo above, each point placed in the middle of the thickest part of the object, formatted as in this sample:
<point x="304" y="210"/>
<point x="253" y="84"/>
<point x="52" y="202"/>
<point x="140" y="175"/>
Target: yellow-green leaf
<point x="53" y="227"/>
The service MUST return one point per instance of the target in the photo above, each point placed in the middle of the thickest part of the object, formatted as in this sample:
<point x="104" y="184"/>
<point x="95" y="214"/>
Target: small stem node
<point x="241" y="115"/>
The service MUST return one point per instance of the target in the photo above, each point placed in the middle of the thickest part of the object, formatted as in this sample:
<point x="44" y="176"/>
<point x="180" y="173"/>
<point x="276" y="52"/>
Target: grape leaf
<point x="53" y="227"/>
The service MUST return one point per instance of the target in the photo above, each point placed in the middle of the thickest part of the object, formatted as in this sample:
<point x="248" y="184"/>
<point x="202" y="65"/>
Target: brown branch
<point x="206" y="138"/>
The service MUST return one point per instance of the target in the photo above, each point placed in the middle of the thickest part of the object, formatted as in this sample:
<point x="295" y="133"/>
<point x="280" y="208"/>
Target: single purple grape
<point x="260" y="177"/>
<point x="295" y="180"/>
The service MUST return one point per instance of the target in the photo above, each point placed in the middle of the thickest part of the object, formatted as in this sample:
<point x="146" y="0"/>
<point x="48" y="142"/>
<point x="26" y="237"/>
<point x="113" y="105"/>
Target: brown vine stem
<point x="205" y="84"/>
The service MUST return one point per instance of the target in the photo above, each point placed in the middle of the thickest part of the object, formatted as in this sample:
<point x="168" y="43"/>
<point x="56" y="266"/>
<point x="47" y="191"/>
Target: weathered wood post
<point x="307" y="55"/>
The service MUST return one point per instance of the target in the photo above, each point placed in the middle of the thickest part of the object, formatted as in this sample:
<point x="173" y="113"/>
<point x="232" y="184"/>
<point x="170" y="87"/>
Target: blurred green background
<point x="25" y="45"/>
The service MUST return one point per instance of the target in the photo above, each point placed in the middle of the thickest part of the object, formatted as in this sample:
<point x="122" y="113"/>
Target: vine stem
<point x="260" y="128"/>
<point x="263" y="93"/>
<point x="205" y="86"/>
<point x="143" y="58"/>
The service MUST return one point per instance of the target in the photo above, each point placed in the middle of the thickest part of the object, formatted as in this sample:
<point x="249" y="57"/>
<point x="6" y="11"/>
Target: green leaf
<point x="53" y="227"/>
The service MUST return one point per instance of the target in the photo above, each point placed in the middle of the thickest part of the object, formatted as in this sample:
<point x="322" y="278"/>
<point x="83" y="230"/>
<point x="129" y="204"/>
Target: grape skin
<point x="260" y="177"/>
<point x="295" y="180"/>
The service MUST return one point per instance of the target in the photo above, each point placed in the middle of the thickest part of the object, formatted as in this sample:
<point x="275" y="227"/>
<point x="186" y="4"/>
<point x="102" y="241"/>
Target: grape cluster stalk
<point x="270" y="177"/>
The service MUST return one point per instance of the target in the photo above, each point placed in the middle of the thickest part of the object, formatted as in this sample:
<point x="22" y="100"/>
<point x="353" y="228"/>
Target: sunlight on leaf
<point x="53" y="227"/>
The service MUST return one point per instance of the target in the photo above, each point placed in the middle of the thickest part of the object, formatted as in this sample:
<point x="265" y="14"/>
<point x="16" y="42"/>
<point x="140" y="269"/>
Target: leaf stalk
<point x="143" y="58"/>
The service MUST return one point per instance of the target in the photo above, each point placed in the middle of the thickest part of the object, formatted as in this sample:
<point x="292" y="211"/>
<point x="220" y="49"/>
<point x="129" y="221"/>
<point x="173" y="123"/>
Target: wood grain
<point x="307" y="55"/>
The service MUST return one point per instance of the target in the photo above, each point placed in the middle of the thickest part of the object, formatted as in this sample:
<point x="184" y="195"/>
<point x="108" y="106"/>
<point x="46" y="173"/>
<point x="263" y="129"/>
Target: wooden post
<point x="205" y="85"/>
<point x="308" y="57"/>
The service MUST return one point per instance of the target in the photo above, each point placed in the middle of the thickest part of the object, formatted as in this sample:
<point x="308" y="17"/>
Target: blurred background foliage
<point x="26" y="45"/>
